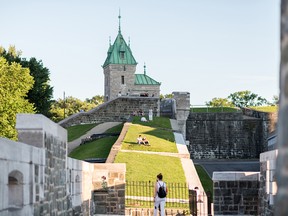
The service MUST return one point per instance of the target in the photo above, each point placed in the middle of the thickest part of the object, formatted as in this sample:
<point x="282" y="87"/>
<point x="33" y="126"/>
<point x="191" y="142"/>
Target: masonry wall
<point x="268" y="186"/>
<point x="119" y="109"/>
<point x="37" y="177"/>
<point x="235" y="193"/>
<point x="224" y="135"/>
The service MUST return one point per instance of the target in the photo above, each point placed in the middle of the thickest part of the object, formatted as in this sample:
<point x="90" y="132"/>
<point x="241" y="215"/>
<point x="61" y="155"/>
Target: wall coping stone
<point x="270" y="155"/>
<point x="39" y="122"/>
<point x="236" y="176"/>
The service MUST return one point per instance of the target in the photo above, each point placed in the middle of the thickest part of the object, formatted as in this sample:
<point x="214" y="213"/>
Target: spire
<point x="144" y="68"/>
<point x="119" y="17"/>
<point x="109" y="40"/>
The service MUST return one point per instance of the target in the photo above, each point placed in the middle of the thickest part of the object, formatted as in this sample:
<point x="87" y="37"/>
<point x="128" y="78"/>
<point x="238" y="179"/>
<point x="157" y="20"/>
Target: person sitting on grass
<point x="143" y="140"/>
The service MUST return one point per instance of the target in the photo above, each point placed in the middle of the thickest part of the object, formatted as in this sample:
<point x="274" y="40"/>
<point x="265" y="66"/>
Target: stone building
<point x="119" y="73"/>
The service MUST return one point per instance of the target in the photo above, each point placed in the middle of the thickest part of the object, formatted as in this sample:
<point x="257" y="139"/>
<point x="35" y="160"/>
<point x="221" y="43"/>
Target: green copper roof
<point x="143" y="79"/>
<point x="119" y="52"/>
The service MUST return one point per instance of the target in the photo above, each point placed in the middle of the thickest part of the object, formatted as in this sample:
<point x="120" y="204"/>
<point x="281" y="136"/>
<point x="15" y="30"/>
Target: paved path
<point x="101" y="128"/>
<point x="221" y="165"/>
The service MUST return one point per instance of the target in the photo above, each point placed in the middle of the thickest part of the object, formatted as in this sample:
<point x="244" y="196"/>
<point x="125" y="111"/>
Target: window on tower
<point x="122" y="80"/>
<point x="122" y="56"/>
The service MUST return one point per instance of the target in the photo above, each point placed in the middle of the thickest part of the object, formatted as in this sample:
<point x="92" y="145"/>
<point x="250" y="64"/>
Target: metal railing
<point x="179" y="201"/>
<point x="140" y="194"/>
<point x="208" y="109"/>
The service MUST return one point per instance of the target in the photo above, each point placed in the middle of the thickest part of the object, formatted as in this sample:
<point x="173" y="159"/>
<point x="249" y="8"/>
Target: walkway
<point x="100" y="128"/>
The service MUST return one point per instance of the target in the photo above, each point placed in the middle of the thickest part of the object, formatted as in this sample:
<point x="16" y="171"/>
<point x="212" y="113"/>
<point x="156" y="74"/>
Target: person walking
<point x="160" y="193"/>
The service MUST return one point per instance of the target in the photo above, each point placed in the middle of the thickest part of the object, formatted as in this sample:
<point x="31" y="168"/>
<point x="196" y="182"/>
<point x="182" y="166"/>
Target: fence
<point x="179" y="201"/>
<point x="210" y="109"/>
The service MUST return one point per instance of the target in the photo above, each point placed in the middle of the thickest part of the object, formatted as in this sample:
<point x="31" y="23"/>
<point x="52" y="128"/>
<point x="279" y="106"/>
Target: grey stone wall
<point x="182" y="100"/>
<point x="119" y="109"/>
<point x="37" y="177"/>
<point x="224" y="135"/>
<point x="281" y="207"/>
<point x="235" y="193"/>
<point x="113" y="85"/>
<point x="268" y="187"/>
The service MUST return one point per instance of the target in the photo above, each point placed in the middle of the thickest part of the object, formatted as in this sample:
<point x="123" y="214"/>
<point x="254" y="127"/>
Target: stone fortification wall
<point x="37" y="177"/>
<point x="224" y="135"/>
<point x="235" y="193"/>
<point x="268" y="186"/>
<point x="119" y="109"/>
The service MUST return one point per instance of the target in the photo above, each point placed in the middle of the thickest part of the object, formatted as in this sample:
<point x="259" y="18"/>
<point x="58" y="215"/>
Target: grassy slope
<point x="77" y="131"/>
<point x="213" y="109"/>
<point x="160" y="140"/>
<point x="97" y="149"/>
<point x="265" y="108"/>
<point x="145" y="167"/>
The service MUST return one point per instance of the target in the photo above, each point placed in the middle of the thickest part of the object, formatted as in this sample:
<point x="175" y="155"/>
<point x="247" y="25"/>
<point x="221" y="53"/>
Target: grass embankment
<point x="213" y="109"/>
<point x="76" y="131"/>
<point x="265" y="108"/>
<point x="97" y="149"/>
<point x="205" y="179"/>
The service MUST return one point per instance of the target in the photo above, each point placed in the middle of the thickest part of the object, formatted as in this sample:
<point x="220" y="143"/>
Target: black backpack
<point x="161" y="192"/>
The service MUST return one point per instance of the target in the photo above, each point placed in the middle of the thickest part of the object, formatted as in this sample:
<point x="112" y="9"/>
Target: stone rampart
<point x="37" y="177"/>
<point x="229" y="135"/>
<point x="119" y="109"/>
<point x="224" y="135"/>
<point x="235" y="193"/>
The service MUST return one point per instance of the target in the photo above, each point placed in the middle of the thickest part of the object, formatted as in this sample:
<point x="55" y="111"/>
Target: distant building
<point x="119" y="73"/>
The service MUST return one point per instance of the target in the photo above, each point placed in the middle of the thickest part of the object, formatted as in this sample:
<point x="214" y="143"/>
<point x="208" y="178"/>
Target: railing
<point x="210" y="109"/>
<point x="179" y="201"/>
<point x="140" y="193"/>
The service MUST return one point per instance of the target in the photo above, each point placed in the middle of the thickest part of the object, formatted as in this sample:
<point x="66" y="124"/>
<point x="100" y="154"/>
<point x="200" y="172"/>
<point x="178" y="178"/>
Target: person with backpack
<point x="160" y="193"/>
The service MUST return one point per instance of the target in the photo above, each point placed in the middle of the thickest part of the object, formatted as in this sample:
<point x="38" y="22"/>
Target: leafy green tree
<point x="97" y="100"/>
<point x="220" y="102"/>
<point x="166" y="96"/>
<point x="41" y="93"/>
<point x="15" y="82"/>
<point x="247" y="99"/>
<point x="72" y="105"/>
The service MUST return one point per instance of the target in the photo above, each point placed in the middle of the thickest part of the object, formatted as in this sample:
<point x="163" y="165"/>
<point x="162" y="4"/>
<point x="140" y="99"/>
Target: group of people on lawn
<point x="142" y="140"/>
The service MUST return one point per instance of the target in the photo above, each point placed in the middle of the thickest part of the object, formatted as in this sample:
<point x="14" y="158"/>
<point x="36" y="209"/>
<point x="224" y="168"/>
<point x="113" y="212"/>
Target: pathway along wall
<point x="228" y="135"/>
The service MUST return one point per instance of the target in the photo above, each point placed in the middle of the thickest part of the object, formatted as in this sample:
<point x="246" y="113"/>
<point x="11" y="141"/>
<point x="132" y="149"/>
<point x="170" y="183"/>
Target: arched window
<point x="15" y="189"/>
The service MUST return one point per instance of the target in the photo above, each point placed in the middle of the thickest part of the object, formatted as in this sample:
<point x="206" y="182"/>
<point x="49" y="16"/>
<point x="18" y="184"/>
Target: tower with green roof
<point x="119" y="73"/>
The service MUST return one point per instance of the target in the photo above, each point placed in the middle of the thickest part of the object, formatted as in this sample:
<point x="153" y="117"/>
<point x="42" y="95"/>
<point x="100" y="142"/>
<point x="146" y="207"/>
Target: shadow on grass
<point x="163" y="134"/>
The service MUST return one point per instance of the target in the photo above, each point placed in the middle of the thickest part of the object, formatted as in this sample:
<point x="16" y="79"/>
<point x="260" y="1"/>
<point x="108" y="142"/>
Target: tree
<point x="247" y="99"/>
<point x="220" y="102"/>
<point x="73" y="105"/>
<point x="15" y="82"/>
<point x="41" y="93"/>
<point x="166" y="96"/>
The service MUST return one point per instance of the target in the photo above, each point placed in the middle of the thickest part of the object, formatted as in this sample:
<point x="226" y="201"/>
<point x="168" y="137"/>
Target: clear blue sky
<point x="210" y="48"/>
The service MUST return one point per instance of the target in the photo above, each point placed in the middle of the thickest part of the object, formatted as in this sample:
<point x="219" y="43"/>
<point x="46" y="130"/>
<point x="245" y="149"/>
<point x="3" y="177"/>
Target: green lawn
<point x="213" y="109"/>
<point x="160" y="140"/>
<point x="265" y="108"/>
<point x="205" y="179"/>
<point x="145" y="167"/>
<point x="158" y="122"/>
<point x="97" y="149"/>
<point x="77" y="131"/>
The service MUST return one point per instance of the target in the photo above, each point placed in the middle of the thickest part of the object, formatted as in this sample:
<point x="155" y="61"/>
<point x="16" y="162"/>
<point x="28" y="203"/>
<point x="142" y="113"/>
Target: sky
<point x="210" y="48"/>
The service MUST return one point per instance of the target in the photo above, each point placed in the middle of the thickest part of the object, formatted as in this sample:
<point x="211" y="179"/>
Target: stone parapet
<point x="236" y="193"/>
